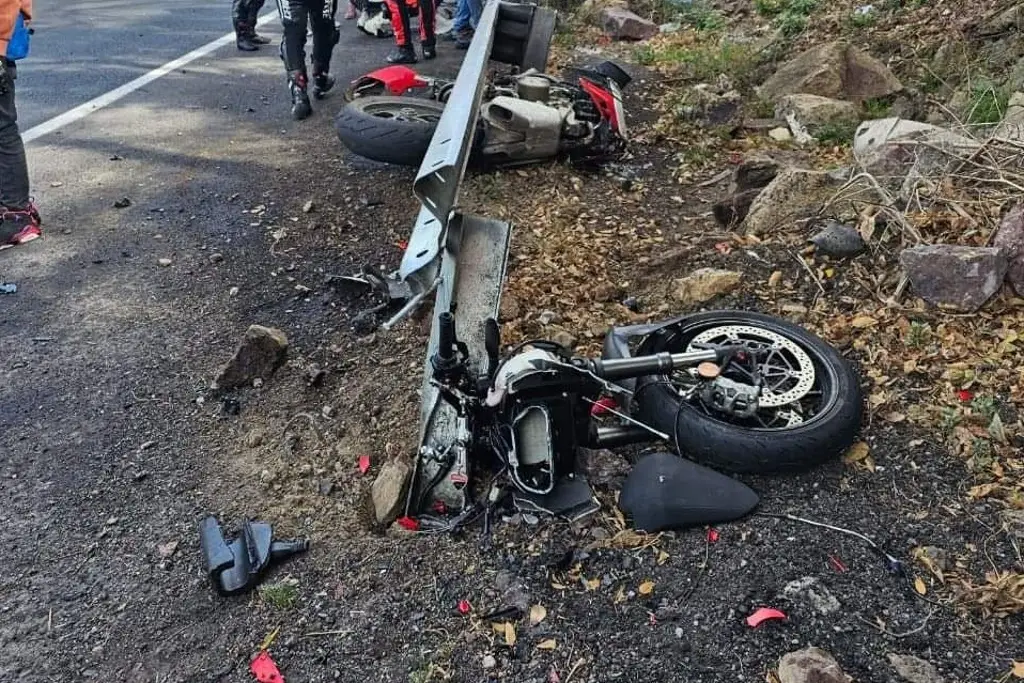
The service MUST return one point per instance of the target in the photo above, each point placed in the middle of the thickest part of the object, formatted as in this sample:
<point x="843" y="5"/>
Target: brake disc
<point x="788" y="371"/>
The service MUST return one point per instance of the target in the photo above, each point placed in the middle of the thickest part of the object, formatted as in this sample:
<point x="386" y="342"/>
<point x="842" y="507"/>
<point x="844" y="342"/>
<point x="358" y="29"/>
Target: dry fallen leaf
<point x="919" y="586"/>
<point x="1018" y="669"/>
<point x="510" y="634"/>
<point x="593" y="584"/>
<point x="646" y="588"/>
<point x="863" y="321"/>
<point x="620" y="595"/>
<point x="548" y="644"/>
<point x="537" y="614"/>
<point x="662" y="557"/>
<point x="775" y="279"/>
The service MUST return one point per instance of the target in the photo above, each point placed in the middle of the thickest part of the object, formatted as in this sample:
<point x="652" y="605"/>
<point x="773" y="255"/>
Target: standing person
<point x="401" y="11"/>
<point x="296" y="17"/>
<point x="19" y="220"/>
<point x="467" y="16"/>
<point x="244" y="14"/>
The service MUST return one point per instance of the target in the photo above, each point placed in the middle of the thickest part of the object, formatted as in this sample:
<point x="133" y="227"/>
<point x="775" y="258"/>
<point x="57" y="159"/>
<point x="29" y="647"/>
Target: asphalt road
<point x="84" y="48"/>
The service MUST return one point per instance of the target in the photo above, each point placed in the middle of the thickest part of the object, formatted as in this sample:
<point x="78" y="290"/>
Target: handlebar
<point x="659" y="363"/>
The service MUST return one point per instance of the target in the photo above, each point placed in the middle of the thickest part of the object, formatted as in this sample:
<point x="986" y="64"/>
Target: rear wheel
<point x="394" y="130"/>
<point x="809" y="410"/>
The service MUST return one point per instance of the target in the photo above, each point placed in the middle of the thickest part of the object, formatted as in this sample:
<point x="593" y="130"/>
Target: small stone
<point x="812" y="592"/>
<point x="599" y="533"/>
<point x="262" y="351"/>
<point x="123" y="203"/>
<point x="549" y="318"/>
<point x="839" y="240"/>
<point x="563" y="337"/>
<point x="705" y="284"/>
<point x="308" y="207"/>
<point x="489" y="662"/>
<point x="621" y="24"/>
<point x="164" y="262"/>
<point x="780" y="134"/>
<point x="680" y="632"/>
<point x="326" y="486"/>
<point x="914" y="669"/>
<point x="810" y="665"/>
<point x="165" y="550"/>
<point x="233" y="291"/>
<point x="509" y="308"/>
<point x="255" y="438"/>
<point x="216" y="258"/>
<point x="961" y="278"/>
<point x="1010" y="238"/>
<point x="388" y="490"/>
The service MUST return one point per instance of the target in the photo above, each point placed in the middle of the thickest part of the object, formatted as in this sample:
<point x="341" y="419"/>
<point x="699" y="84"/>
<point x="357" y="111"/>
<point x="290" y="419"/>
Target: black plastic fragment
<point x="665" y="491"/>
<point x="239" y="566"/>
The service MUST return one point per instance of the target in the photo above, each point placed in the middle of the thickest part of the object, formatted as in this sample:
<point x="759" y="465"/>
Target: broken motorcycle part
<point x="808" y="401"/>
<point x="237" y="567"/>
<point x="666" y="492"/>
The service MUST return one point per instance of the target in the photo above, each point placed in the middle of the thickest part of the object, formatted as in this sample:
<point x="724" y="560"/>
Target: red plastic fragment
<point x="408" y="523"/>
<point x="364" y="464"/>
<point x="712" y="535"/>
<point x="836" y="563"/>
<point x="402" y="244"/>
<point x="265" y="670"/>
<point x="964" y="395"/>
<point x="602" y="405"/>
<point x="465" y="607"/>
<point x="763" y="614"/>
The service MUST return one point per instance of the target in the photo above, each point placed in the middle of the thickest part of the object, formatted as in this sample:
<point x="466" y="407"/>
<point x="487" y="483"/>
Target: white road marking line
<point x="109" y="98"/>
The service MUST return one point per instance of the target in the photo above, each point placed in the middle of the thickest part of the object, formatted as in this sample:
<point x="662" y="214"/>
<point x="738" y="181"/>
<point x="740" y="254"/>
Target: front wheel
<point x="394" y="130"/>
<point x="809" y="410"/>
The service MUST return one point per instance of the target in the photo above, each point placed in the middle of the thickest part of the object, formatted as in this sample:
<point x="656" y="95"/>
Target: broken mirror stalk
<point x="238" y="566"/>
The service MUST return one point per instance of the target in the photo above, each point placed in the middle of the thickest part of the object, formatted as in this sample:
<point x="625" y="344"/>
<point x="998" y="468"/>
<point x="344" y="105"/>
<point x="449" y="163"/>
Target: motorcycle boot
<point x="322" y="81"/>
<point x="253" y="16"/>
<point x="241" y="13"/>
<point x="243" y="40"/>
<point x="403" y="54"/>
<point x="297" y="83"/>
<point x="429" y="50"/>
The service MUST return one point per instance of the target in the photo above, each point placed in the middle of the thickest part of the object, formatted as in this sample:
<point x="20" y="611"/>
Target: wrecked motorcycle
<point x="524" y="117"/>
<point x="730" y="391"/>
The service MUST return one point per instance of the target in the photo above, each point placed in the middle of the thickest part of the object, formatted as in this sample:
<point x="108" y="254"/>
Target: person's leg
<point x="240" y="22"/>
<point x="253" y="16"/>
<point x="19" y="221"/>
<point x="476" y="8"/>
<point x="294" y="20"/>
<point x="460" y="22"/>
<point x="325" y="37"/>
<point x="399" y="13"/>
<point x="428" y="39"/>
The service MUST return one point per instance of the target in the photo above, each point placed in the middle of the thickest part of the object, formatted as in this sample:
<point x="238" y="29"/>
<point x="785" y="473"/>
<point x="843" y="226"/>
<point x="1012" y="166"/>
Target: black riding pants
<point x="296" y="16"/>
<point x="13" y="169"/>
<point x="244" y="14"/>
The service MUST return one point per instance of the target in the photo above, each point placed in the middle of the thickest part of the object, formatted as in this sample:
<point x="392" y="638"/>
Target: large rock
<point x="705" y="284"/>
<point x="811" y="665"/>
<point x="835" y="70"/>
<point x="898" y="148"/>
<point x="1010" y="238"/>
<point x="262" y="351"/>
<point x="961" y="278"/>
<point x="388" y="491"/>
<point x="914" y="669"/>
<point x="750" y="177"/>
<point x="621" y="24"/>
<point x="1012" y="125"/>
<point x="793" y="195"/>
<point x="813" y="112"/>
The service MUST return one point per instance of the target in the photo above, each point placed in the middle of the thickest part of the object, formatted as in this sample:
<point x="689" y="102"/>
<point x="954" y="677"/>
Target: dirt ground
<point x="114" y="450"/>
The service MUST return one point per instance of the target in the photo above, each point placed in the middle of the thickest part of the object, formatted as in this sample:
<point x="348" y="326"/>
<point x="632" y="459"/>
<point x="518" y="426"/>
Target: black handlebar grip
<point x="446" y="336"/>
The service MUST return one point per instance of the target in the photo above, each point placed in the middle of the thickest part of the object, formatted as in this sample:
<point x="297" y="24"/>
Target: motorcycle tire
<point x="711" y="439"/>
<point x="393" y="130"/>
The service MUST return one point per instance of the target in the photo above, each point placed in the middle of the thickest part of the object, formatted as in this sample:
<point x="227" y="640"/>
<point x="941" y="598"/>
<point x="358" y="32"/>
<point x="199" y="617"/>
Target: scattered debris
<point x="811" y="665"/>
<point x="464" y="607"/>
<point x="388" y="490"/>
<point x="309" y="206"/>
<point x="262" y="351"/>
<point x="265" y="670"/>
<point x="705" y="284"/>
<point x="763" y="614"/>
<point x="839" y="240"/>
<point x="164" y="262"/>
<point x="914" y="669"/>
<point x="8" y="288"/>
<point x="165" y="550"/>
<point x="489" y="662"/>
<point x="962" y="278"/>
<point x="238" y="567"/>
<point x="364" y="464"/>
